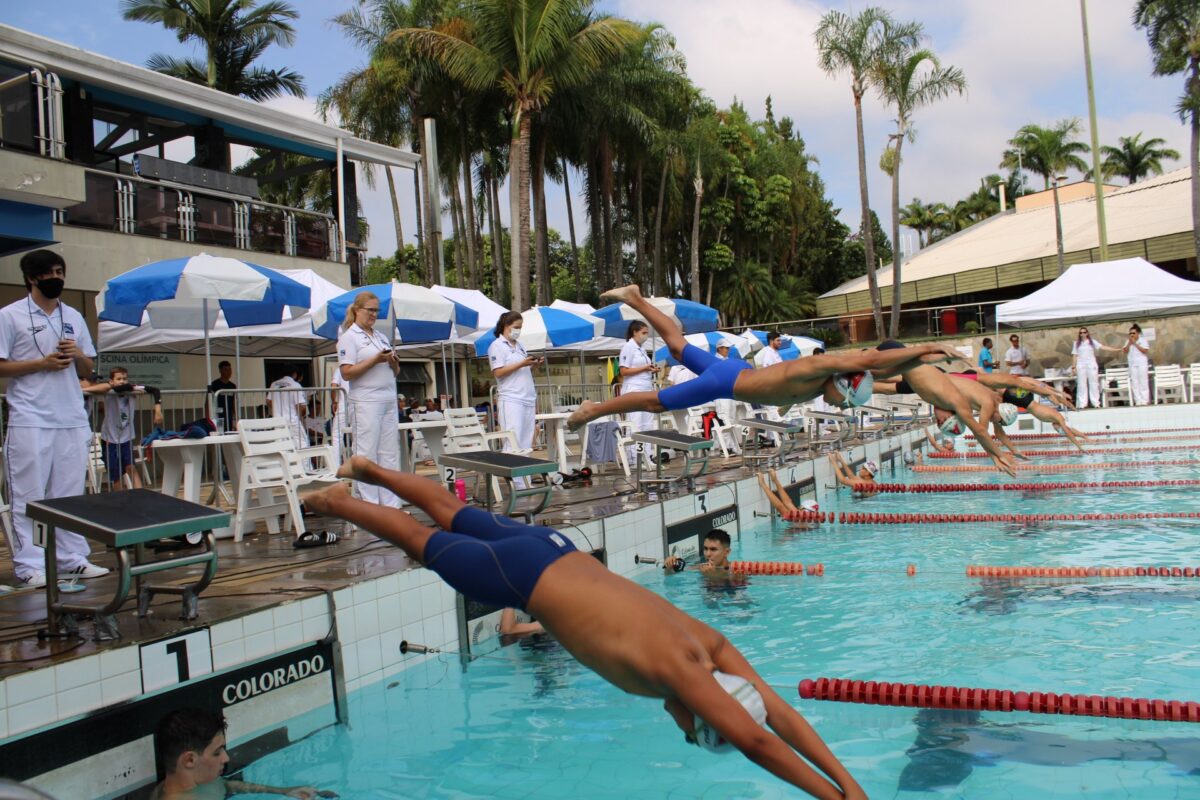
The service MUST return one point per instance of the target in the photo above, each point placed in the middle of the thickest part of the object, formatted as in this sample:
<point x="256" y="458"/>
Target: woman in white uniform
<point x="1139" y="367"/>
<point x="512" y="367"/>
<point x="367" y="361"/>
<point x="1087" y="369"/>
<point x="636" y="376"/>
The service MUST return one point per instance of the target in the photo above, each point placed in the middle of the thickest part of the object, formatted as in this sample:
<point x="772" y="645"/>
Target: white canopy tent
<point x="1109" y="290"/>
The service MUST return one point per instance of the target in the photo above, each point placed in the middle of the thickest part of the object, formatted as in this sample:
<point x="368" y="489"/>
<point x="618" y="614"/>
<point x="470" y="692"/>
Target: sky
<point x="1023" y="60"/>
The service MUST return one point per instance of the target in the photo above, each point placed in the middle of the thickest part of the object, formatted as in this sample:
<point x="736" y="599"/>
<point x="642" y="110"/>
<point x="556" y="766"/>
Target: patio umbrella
<point x="692" y="317"/>
<point x="416" y="314"/>
<point x="793" y="346"/>
<point x="543" y="328"/>
<point x="194" y="292"/>
<point x="707" y="342"/>
<point x="488" y="310"/>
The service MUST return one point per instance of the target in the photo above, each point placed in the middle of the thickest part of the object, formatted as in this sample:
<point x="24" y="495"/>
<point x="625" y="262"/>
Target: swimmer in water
<point x="630" y="636"/>
<point x="861" y="481"/>
<point x="782" y="502"/>
<point x="716" y="555"/>
<point x="843" y="379"/>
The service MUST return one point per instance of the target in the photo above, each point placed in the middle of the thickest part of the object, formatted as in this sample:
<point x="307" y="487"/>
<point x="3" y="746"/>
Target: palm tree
<point x="909" y="79"/>
<point x="1134" y="159"/>
<point x="1173" y="32"/>
<point x="1048" y="152"/>
<point x="856" y="44"/>
<point x="919" y="217"/>
<point x="529" y="49"/>
<point x="234" y="33"/>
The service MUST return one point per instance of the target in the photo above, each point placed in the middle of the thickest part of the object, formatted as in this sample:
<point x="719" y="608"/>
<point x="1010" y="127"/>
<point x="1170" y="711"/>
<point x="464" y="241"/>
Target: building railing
<point x="160" y="209"/>
<point x="31" y="116"/>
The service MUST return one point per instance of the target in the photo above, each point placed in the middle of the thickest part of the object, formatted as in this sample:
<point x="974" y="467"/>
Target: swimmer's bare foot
<point x="325" y="501"/>
<point x="581" y="416"/>
<point x="624" y="294"/>
<point x="358" y="468"/>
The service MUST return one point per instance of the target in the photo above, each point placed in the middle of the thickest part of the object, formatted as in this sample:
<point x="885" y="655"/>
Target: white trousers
<point x="1139" y="384"/>
<point x="375" y="436"/>
<point x="639" y="421"/>
<point x="299" y="432"/>
<point x="727" y="411"/>
<point x="517" y="417"/>
<point x="43" y="463"/>
<point x="1087" y="385"/>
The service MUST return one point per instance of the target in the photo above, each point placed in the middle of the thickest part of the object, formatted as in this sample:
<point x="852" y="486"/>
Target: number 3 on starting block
<point x="449" y="474"/>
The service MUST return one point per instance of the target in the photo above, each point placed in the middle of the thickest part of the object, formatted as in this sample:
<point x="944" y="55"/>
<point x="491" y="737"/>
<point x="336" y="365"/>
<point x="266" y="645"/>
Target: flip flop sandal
<point x="312" y="539"/>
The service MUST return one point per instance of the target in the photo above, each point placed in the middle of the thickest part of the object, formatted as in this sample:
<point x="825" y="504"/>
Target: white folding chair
<point x="1114" y="386"/>
<point x="270" y="463"/>
<point x="97" y="474"/>
<point x="1168" y="384"/>
<point x="465" y="434"/>
<point x="1193" y="381"/>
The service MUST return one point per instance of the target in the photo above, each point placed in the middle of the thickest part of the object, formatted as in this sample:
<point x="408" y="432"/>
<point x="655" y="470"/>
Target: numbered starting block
<point x="695" y="457"/>
<point x="787" y="436"/>
<point x="507" y="467"/>
<point x="125" y="521"/>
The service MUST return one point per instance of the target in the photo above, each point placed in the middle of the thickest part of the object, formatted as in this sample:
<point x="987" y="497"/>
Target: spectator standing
<point x="769" y="355"/>
<point x="1087" y="368"/>
<point x="226" y="404"/>
<point x="512" y="367"/>
<point x="1016" y="357"/>
<point x="1139" y="366"/>
<point x="986" y="361"/>
<point x="366" y="359"/>
<point x="636" y="370"/>
<point x="45" y="348"/>
<point x="287" y="400"/>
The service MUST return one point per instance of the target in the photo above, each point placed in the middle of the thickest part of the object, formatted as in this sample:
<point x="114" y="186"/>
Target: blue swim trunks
<point x="494" y="559"/>
<point x="714" y="380"/>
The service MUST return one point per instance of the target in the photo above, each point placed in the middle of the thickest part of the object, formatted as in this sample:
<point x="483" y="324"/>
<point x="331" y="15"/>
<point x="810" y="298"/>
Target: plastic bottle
<point x="460" y="489"/>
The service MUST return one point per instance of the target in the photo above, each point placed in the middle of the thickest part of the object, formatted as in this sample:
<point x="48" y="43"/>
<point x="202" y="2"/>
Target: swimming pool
<point x="529" y="722"/>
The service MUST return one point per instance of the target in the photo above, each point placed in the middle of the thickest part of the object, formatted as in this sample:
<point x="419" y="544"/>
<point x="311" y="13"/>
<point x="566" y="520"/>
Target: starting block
<point x="789" y="439"/>
<point x="506" y="466"/>
<point x="695" y="455"/>
<point x="125" y="521"/>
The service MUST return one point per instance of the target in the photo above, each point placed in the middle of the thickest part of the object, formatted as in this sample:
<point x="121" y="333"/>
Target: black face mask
<point x="51" y="287"/>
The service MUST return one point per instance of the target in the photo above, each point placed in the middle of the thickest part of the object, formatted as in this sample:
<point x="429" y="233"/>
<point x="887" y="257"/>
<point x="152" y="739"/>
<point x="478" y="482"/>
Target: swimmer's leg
<point x="427" y="495"/>
<point x="633" y="401"/>
<point x="776" y="503"/>
<point x="390" y="524"/>
<point x="666" y="327"/>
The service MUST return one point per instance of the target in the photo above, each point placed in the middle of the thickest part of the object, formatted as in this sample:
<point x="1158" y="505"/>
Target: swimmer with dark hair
<point x="716" y="548"/>
<point x="630" y="636"/>
<point x="844" y="380"/>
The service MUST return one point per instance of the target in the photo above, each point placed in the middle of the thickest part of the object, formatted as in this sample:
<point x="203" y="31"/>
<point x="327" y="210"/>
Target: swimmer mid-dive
<point x="630" y="636"/>
<point x="843" y="380"/>
<point x="1019" y="391"/>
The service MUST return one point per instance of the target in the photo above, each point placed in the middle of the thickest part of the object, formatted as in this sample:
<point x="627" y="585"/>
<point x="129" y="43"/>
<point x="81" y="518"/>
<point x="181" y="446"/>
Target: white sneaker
<point x="33" y="580"/>
<point x="85" y="570"/>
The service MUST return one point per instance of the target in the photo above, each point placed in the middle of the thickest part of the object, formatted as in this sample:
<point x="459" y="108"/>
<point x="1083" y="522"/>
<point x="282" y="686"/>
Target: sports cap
<point x="871" y="467"/>
<point x="744" y="692"/>
<point x="855" y="387"/>
<point x="1008" y="413"/>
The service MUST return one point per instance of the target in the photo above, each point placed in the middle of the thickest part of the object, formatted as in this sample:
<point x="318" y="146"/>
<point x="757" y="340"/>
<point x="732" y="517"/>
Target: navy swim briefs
<point x="714" y="380"/>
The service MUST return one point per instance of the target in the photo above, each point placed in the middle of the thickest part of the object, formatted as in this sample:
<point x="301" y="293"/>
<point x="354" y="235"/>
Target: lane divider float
<point x="982" y="571"/>
<point x="1048" y="486"/>
<point x="1056" y="467"/>
<point x="1054" y="453"/>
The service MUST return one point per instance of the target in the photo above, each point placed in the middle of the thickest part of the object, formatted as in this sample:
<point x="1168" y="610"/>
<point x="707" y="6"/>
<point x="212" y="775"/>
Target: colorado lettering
<point x="271" y="679"/>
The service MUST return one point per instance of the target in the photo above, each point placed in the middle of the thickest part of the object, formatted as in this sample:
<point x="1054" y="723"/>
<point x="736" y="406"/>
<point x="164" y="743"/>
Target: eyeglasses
<point x="374" y="311"/>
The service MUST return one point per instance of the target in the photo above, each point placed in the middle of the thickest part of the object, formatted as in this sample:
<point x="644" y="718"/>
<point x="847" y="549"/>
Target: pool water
<point x="529" y="722"/>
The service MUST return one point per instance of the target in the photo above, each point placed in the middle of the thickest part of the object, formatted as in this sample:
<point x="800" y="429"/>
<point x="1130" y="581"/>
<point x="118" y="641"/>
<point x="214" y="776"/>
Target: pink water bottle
<point x="460" y="489"/>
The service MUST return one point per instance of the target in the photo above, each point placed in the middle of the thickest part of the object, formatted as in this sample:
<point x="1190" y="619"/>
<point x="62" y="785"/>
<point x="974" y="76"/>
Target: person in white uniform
<point x="636" y="376"/>
<point x="768" y="357"/>
<point x="1139" y="366"/>
<point x="1087" y="369"/>
<point x="512" y="367"/>
<point x="45" y="349"/>
<point x="287" y="400"/>
<point x="1016" y="357"/>
<point x="366" y="359"/>
<point x="727" y="408"/>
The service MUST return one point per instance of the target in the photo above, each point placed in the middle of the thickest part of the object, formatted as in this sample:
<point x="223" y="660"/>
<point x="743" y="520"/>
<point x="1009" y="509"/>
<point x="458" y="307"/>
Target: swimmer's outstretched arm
<point x="783" y="495"/>
<point x="884" y="362"/>
<point x="510" y="627"/>
<point x="1002" y="437"/>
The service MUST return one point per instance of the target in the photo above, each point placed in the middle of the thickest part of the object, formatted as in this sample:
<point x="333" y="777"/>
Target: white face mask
<point x="514" y="333"/>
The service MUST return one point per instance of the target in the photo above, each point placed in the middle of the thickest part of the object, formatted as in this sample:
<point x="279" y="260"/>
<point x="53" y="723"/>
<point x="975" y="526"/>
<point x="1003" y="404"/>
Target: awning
<point x="24" y="227"/>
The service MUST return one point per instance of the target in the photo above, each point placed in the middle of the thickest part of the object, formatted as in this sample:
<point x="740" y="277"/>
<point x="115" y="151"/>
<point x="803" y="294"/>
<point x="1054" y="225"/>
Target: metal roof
<point x="237" y="114"/>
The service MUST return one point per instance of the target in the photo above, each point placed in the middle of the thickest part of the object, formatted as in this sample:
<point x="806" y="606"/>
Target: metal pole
<point x="433" y="226"/>
<point x="1101" y="224"/>
<point x="341" y="201"/>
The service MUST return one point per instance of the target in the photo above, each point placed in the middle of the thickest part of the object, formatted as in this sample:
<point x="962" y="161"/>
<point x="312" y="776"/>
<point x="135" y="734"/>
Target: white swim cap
<point x="1008" y="413"/>
<point x="855" y="387"/>
<point x="953" y="426"/>
<point x="744" y="692"/>
<point x="909" y="458"/>
<point x="872" y="468"/>
<point x="810" y="505"/>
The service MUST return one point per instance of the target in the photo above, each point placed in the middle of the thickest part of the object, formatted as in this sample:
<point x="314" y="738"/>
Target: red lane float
<point x="1089" y="434"/>
<point x="856" y="518"/>
<point x="775" y="568"/>
<point x="913" y="695"/>
<point x="1057" y="467"/>
<point x="1053" y="453"/>
<point x="1121" y="440"/>
<point x="982" y="571"/>
<point x="1048" y="486"/>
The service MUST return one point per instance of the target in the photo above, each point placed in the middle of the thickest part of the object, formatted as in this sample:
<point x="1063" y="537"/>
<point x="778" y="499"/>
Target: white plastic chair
<point x="270" y="463"/>
<point x="1193" y="381"/>
<point x="1168" y="384"/>
<point x="465" y="434"/>
<point x="1114" y="386"/>
<point x="97" y="474"/>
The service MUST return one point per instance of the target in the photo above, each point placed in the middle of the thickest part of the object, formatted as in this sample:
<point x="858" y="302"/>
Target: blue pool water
<point x="529" y="722"/>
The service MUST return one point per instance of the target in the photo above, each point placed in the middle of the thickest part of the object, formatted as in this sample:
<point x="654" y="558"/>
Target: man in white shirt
<point x="45" y="348"/>
<point x="1016" y="357"/>
<point x="769" y="355"/>
<point x="727" y="409"/>
<point x="287" y="400"/>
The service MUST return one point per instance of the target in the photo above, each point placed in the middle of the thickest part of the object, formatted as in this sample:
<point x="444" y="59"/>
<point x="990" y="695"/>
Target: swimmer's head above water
<point x="716" y="548"/>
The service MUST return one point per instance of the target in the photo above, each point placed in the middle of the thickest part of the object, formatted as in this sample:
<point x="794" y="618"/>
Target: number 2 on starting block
<point x="449" y="474"/>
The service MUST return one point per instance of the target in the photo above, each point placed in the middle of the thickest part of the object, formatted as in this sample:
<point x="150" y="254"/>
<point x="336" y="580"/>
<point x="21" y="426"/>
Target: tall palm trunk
<point x="698" y="183"/>
<point x="606" y="189"/>
<point x="541" y="242"/>
<point x="391" y="182"/>
<point x="469" y="226"/>
<point x="595" y="213"/>
<point x="457" y="229"/>
<point x="417" y="208"/>
<point x="1058" y="234"/>
<point x="640" y="227"/>
<point x="497" y="233"/>
<point x="660" y="275"/>
<point x="571" y="230"/>
<point x="521" y="219"/>
<point x="618" y="229"/>
<point x="430" y="253"/>
<point x="897" y="256"/>
<point x="868" y="234"/>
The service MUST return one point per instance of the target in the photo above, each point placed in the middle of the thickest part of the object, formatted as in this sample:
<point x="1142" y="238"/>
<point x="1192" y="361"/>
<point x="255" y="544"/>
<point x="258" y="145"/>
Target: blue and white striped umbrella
<point x="543" y="327"/>
<point x="416" y="313"/>
<point x="692" y="317"/>
<point x="708" y="341"/>
<point x="193" y="292"/>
